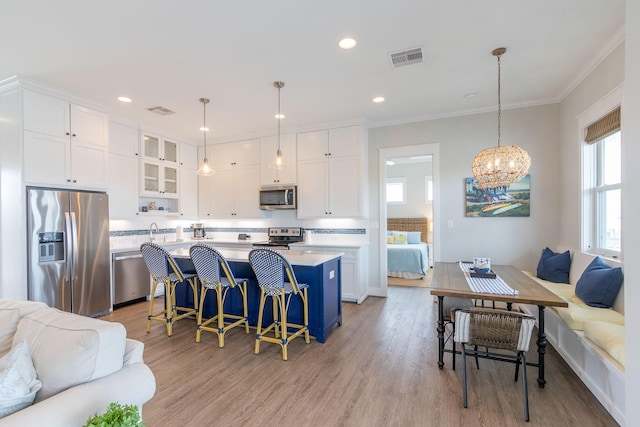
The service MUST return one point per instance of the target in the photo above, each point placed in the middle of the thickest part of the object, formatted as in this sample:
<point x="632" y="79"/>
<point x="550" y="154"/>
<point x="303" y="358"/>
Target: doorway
<point x="408" y="154"/>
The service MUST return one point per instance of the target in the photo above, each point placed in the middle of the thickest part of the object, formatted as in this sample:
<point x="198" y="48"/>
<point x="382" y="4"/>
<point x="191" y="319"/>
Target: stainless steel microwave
<point x="278" y="197"/>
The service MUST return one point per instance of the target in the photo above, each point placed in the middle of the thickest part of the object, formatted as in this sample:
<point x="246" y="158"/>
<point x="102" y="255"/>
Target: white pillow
<point x="18" y="382"/>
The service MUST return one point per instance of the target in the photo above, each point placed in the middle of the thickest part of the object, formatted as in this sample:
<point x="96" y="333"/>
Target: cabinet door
<point x="169" y="151"/>
<point x="169" y="181"/>
<point x="222" y="194"/>
<point x="150" y="147"/>
<point x="205" y="196"/>
<point x="220" y="155"/>
<point x="349" y="280"/>
<point x="345" y="141"/>
<point x="268" y="147"/>
<point x="312" y="189"/>
<point x="189" y="156"/>
<point x="89" y="165"/>
<point x="123" y="196"/>
<point x="345" y="187"/>
<point x="150" y="179"/>
<point x="89" y="126"/>
<point x="313" y="145"/>
<point x="188" y="193"/>
<point x="123" y="140"/>
<point x="46" y="159"/>
<point x="247" y="152"/>
<point x="45" y="114"/>
<point x="246" y="194"/>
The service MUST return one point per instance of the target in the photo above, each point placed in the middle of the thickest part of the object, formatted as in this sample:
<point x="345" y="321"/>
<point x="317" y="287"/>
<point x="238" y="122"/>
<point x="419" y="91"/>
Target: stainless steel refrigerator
<point x="68" y="250"/>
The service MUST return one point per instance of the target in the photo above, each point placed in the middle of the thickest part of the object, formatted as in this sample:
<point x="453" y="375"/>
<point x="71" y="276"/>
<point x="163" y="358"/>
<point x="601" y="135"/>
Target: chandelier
<point x="501" y="165"/>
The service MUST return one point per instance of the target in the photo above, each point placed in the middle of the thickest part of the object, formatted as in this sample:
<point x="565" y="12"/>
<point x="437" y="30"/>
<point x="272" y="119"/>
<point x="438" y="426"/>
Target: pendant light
<point x="278" y="162"/>
<point x="205" y="169"/>
<point x="501" y="165"/>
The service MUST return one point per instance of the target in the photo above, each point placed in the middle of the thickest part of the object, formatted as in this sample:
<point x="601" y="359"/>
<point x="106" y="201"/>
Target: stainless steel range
<point x="282" y="237"/>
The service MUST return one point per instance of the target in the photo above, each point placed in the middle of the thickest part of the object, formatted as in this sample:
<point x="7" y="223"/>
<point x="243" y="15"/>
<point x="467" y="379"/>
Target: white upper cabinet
<point x="188" y="156"/>
<point x="331" y="173"/>
<point x="269" y="175"/>
<point x="64" y="144"/>
<point x="123" y="139"/>
<point x="234" y="154"/>
<point x="157" y="148"/>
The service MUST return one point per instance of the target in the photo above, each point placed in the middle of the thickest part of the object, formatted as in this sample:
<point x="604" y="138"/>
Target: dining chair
<point x="496" y="330"/>
<point x="449" y="307"/>
<point x="165" y="271"/>
<point x="208" y="263"/>
<point x="277" y="281"/>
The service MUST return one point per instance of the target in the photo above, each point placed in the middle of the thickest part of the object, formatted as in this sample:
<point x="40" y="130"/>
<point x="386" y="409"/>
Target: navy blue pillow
<point x="599" y="284"/>
<point x="554" y="267"/>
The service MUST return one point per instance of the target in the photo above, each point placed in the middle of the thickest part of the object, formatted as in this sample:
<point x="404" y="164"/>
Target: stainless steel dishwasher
<point x="131" y="279"/>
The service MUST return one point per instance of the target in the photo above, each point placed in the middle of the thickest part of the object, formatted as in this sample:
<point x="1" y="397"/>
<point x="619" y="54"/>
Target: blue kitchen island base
<point x="325" y="303"/>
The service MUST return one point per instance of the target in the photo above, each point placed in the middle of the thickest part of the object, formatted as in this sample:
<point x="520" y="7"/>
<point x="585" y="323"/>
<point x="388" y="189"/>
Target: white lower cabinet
<point x="354" y="271"/>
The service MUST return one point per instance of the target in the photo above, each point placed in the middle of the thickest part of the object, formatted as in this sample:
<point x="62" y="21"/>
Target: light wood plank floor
<point x="378" y="369"/>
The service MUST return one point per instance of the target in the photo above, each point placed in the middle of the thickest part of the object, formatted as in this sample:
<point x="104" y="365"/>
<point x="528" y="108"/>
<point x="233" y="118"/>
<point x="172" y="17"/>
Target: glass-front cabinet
<point x="159" y="168"/>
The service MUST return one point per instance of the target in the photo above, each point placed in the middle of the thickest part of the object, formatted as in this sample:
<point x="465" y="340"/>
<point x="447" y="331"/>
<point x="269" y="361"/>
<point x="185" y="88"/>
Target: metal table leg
<point x="542" y="346"/>
<point x="440" y="332"/>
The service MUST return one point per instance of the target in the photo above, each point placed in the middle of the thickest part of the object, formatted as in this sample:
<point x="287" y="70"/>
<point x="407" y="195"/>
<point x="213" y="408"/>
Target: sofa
<point x="70" y="366"/>
<point x="589" y="339"/>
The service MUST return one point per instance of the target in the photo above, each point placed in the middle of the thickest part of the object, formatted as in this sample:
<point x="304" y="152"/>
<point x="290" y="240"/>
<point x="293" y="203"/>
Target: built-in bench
<point x="589" y="339"/>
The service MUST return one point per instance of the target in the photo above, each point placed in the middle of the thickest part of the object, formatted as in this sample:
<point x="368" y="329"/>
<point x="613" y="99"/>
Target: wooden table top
<point x="449" y="281"/>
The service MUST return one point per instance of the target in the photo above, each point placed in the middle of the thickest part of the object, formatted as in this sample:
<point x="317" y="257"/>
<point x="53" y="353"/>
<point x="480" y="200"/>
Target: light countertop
<point x="295" y="257"/>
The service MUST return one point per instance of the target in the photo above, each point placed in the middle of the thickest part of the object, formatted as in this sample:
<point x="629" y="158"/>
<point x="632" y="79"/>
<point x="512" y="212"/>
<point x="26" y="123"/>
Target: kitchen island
<point x="320" y="270"/>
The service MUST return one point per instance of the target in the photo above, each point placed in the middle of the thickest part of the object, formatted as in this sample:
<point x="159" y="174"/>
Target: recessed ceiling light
<point x="124" y="99"/>
<point x="347" y="43"/>
<point x="378" y="99"/>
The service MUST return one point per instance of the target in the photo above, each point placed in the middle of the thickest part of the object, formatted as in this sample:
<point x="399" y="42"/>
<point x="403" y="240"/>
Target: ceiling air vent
<point x="161" y="111"/>
<point x="406" y="57"/>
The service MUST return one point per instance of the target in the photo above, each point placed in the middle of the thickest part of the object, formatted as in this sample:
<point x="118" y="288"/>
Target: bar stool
<point x="208" y="261"/>
<point x="277" y="281"/>
<point x="165" y="271"/>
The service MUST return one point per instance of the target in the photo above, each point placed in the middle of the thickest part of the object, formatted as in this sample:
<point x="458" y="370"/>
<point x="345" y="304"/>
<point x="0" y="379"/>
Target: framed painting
<point x="512" y="200"/>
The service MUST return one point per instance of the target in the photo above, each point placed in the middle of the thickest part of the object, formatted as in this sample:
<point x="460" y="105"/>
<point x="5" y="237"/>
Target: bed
<point x="407" y="247"/>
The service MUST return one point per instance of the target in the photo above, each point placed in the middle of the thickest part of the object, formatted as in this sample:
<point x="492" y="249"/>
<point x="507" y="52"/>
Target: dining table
<point x="451" y="280"/>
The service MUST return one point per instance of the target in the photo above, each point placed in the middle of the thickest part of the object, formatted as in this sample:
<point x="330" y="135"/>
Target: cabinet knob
<point x="73" y="135"/>
<point x="67" y="133"/>
<point x="75" y="180"/>
<point x="68" y="180"/>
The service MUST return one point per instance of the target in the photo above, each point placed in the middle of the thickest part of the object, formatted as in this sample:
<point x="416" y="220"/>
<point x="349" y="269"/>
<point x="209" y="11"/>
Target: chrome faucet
<point x="151" y="237"/>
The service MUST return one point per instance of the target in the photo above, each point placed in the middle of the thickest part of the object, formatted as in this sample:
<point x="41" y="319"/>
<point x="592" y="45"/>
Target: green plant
<point x="117" y="415"/>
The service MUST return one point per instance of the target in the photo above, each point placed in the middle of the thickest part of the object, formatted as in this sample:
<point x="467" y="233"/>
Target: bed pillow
<point x="599" y="284"/>
<point x="400" y="237"/>
<point x="413" y="237"/>
<point x="554" y="267"/>
<point x="18" y="381"/>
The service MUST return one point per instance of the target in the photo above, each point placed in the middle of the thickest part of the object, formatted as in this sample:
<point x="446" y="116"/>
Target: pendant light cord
<point x="204" y="126"/>
<point x="278" y="118"/>
<point x="499" y="103"/>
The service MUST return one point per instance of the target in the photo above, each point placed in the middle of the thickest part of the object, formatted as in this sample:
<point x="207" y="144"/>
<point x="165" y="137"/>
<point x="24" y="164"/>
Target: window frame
<point x="592" y="190"/>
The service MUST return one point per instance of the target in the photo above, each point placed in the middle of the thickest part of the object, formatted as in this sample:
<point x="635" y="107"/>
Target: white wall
<point x="606" y="77"/>
<point x="631" y="206"/>
<point x="515" y="241"/>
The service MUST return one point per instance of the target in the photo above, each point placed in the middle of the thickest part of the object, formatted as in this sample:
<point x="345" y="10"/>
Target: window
<point x="396" y="191"/>
<point x="602" y="184"/>
<point x="428" y="189"/>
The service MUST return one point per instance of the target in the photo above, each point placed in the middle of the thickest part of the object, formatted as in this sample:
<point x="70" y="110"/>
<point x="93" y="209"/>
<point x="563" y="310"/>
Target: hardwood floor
<point x="378" y="369"/>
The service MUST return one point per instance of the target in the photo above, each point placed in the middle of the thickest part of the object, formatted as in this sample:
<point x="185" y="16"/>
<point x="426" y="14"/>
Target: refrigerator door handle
<point x="74" y="242"/>
<point x="68" y="246"/>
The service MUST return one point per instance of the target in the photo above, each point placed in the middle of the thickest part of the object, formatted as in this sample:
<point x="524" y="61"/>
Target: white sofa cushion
<point x="68" y="349"/>
<point x="11" y="312"/>
<point x="18" y="381"/>
<point x="608" y="336"/>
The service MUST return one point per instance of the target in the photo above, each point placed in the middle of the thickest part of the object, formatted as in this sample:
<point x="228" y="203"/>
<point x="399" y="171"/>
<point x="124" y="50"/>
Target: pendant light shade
<point x="500" y="166"/>
<point x="278" y="162"/>
<point x="204" y="168"/>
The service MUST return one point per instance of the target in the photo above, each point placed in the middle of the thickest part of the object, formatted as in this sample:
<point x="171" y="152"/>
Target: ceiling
<point x="168" y="53"/>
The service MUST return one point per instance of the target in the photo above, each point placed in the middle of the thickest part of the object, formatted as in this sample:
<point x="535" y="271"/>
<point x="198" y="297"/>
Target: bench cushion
<point x="578" y="312"/>
<point x="608" y="336"/>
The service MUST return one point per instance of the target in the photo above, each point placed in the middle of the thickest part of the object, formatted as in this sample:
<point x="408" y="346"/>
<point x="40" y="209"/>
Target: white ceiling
<point x="170" y="53"/>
